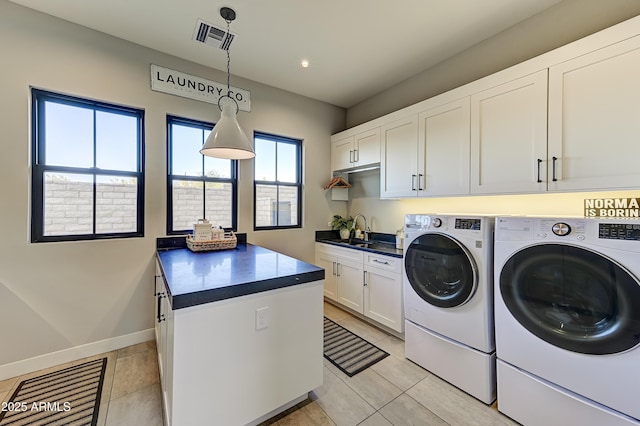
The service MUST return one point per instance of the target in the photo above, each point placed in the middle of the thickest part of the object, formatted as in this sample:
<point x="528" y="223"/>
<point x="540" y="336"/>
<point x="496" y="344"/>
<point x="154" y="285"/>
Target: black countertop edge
<point x="383" y="243"/>
<point x="216" y="295"/>
<point x="180" y="241"/>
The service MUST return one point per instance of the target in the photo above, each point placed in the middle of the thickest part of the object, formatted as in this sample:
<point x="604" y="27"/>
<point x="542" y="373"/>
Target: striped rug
<point x="70" y="396"/>
<point x="350" y="353"/>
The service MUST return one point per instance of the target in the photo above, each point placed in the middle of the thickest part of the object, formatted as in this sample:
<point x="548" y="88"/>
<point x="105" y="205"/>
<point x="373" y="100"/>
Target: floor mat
<point x="70" y="396"/>
<point x="347" y="351"/>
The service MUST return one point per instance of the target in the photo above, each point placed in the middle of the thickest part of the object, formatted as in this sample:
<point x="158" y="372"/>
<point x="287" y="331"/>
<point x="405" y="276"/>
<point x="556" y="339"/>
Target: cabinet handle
<point x="334" y="269"/>
<point x="420" y="188"/>
<point x="553" y="169"/>
<point x="413" y="182"/>
<point x="381" y="262"/>
<point x="351" y="156"/>
<point x="338" y="269"/>
<point x="364" y="278"/>
<point x="539" y="162"/>
<point x="356" y="155"/>
<point x="159" y="315"/>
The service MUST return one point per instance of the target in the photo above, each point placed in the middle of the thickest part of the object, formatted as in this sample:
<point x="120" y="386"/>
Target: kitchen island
<point x="239" y="333"/>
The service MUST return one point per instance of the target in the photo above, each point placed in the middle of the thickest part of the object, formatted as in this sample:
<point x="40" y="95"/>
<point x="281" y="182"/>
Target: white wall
<point x="57" y="296"/>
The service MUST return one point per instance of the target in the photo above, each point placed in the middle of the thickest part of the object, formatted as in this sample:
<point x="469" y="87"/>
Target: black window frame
<point x="298" y="144"/>
<point x="233" y="180"/>
<point x="39" y="167"/>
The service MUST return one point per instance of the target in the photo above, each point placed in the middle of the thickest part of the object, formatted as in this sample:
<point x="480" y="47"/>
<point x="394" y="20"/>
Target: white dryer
<point x="567" y="312"/>
<point x="448" y="299"/>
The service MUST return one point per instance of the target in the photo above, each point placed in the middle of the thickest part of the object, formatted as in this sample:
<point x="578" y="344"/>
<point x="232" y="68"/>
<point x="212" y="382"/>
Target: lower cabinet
<point x="367" y="283"/>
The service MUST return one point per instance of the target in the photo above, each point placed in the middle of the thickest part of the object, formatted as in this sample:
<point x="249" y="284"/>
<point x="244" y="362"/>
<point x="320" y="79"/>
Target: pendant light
<point x="227" y="139"/>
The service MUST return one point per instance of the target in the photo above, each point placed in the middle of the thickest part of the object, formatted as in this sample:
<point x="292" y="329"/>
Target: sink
<point x="359" y="242"/>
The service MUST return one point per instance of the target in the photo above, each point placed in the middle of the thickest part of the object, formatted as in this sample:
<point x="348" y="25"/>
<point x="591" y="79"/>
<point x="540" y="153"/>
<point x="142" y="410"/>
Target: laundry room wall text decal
<point x="188" y="86"/>
<point x="612" y="207"/>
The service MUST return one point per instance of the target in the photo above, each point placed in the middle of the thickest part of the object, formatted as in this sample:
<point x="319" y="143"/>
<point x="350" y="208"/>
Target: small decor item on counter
<point x="202" y="230"/>
<point x="226" y="241"/>
<point x="400" y="239"/>
<point x="342" y="224"/>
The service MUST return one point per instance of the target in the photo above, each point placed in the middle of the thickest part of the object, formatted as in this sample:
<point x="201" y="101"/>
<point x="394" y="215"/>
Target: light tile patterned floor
<point x="394" y="391"/>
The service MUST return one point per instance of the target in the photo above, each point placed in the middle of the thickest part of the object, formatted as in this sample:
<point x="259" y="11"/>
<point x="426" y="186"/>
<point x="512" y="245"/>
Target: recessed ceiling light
<point x="304" y="63"/>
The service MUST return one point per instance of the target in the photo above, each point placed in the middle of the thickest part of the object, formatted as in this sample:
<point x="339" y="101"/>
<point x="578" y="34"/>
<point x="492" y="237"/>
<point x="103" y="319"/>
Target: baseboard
<point x="52" y="359"/>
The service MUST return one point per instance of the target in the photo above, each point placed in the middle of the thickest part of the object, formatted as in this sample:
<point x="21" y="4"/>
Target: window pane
<point x="68" y="204"/>
<point x="266" y="205"/>
<point x="116" y="204"/>
<point x="116" y="141"/>
<point x="265" y="160"/>
<point x="217" y="167"/>
<point x="186" y="143"/>
<point x="68" y="135"/>
<point x="218" y="202"/>
<point x="188" y="204"/>
<point x="287" y="163"/>
<point x="287" y="205"/>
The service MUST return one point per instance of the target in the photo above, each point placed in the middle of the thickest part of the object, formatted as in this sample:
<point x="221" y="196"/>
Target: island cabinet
<point x="367" y="283"/>
<point x="356" y="150"/>
<point x="594" y="119"/>
<point x="239" y="334"/>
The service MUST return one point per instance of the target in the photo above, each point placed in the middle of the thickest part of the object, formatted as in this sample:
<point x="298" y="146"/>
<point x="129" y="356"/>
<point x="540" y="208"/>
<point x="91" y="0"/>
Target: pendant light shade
<point x="227" y="139"/>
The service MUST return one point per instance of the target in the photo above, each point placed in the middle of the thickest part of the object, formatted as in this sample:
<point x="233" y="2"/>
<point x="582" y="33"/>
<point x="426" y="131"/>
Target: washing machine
<point x="448" y="299"/>
<point x="567" y="319"/>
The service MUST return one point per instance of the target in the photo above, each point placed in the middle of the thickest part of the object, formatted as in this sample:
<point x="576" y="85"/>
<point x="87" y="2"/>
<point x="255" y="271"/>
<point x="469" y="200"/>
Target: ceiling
<point x="356" y="48"/>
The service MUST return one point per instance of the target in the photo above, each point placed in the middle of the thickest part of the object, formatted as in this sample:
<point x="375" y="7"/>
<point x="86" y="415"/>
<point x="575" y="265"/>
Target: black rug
<point x="70" y="396"/>
<point x="350" y="353"/>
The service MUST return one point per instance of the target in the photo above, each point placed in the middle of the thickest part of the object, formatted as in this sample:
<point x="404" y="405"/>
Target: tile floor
<point x="394" y="391"/>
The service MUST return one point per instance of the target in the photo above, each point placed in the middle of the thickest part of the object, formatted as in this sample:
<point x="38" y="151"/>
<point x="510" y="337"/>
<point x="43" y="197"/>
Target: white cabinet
<point x="509" y="137"/>
<point x="383" y="290"/>
<point x="367" y="283"/>
<point x="443" y="150"/>
<point x="594" y="120"/>
<point x="359" y="150"/>
<point x="164" y="340"/>
<point x="398" y="151"/>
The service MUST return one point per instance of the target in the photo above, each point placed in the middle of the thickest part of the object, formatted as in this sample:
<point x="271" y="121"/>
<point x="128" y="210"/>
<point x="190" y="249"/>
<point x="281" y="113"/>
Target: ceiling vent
<point x="213" y="36"/>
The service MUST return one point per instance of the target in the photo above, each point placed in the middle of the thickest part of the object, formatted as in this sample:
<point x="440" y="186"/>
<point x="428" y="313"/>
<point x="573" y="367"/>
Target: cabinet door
<point x="594" y="120"/>
<point x="342" y="154"/>
<point x="398" y="158"/>
<point x="367" y="147"/>
<point x="509" y="137"/>
<point x="329" y="263"/>
<point x="443" y="150"/>
<point x="350" y="283"/>
<point x="383" y="297"/>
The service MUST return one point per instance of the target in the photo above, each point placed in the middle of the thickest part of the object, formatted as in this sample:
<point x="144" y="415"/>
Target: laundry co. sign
<point x="200" y="89"/>
<point x="612" y="207"/>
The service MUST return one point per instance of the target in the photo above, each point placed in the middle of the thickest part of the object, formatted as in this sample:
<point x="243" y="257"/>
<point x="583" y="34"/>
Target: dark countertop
<point x="196" y="278"/>
<point x="378" y="243"/>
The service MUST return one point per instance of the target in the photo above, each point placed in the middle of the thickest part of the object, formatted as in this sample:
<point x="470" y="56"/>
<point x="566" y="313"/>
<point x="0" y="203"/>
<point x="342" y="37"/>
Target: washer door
<point x="440" y="270"/>
<point x="573" y="298"/>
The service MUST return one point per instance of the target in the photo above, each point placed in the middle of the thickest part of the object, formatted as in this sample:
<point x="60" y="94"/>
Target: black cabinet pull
<point x="553" y="175"/>
<point x="420" y="188"/>
<point x="159" y="315"/>
<point x="413" y="182"/>
<point x="539" y="162"/>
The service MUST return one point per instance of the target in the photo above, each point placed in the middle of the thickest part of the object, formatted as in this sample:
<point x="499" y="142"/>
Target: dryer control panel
<point x="619" y="231"/>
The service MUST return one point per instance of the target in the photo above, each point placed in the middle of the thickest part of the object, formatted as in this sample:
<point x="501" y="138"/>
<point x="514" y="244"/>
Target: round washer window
<point x="440" y="270"/>
<point x="573" y="298"/>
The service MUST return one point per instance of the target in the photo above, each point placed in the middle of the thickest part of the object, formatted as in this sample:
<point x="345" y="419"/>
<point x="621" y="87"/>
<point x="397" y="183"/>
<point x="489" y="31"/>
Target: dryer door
<point x="440" y="270"/>
<point x="573" y="298"/>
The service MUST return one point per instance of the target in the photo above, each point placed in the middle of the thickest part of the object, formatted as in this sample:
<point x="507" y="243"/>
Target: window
<point x="198" y="187"/>
<point x="87" y="169"/>
<point x="278" y="182"/>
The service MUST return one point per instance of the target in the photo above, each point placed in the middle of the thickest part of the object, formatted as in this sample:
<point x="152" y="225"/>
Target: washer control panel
<point x="619" y="231"/>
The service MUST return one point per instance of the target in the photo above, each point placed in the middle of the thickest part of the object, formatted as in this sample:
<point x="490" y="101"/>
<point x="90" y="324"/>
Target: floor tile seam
<point x="354" y="391"/>
<point x="379" y="377"/>
<point x="134" y="392"/>
<point x="421" y="404"/>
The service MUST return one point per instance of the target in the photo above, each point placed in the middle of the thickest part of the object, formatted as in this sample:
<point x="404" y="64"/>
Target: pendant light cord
<point x="228" y="62"/>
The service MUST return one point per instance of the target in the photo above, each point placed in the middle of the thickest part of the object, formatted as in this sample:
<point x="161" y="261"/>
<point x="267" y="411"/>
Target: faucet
<point x="364" y="231"/>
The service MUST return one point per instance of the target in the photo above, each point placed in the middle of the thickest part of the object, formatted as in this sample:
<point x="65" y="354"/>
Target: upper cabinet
<point x="355" y="150"/>
<point x="509" y="137"/>
<point x="594" y="120"/>
<point x="427" y="154"/>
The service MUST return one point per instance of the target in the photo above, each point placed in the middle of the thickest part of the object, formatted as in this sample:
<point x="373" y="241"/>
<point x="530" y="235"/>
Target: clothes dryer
<point x="448" y="299"/>
<point x="567" y="312"/>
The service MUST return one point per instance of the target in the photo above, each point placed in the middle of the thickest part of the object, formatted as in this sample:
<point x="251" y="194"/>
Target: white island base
<point x="242" y="360"/>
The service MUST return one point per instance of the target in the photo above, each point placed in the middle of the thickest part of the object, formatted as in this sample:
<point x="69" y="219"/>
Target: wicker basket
<point x="229" y="241"/>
